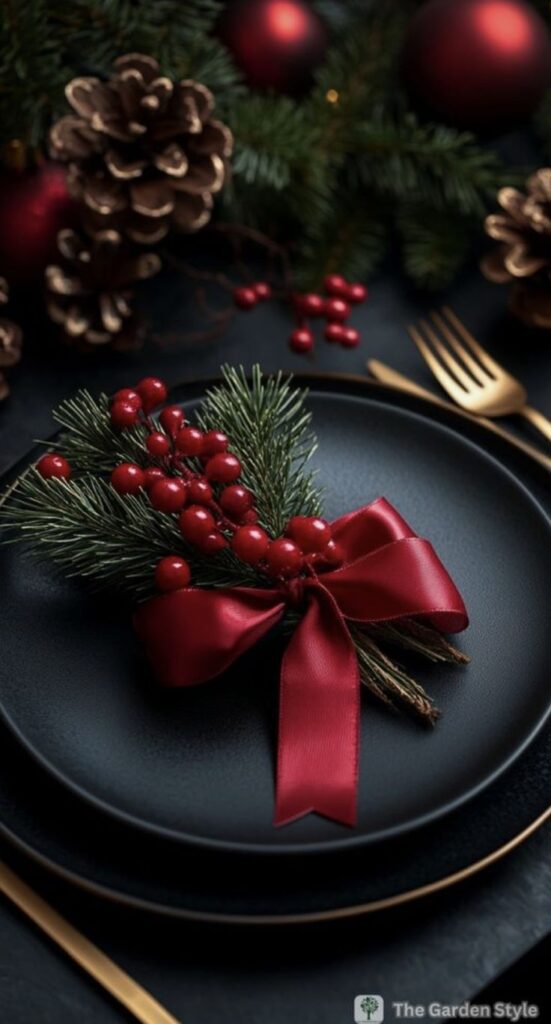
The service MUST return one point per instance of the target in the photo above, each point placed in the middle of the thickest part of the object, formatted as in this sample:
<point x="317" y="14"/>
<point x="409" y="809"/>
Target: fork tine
<point x="484" y="357"/>
<point x="443" y="377"/>
<point x="478" y="372"/>
<point x="459" y="373"/>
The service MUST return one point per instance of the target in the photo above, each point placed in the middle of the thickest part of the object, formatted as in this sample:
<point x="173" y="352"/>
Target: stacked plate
<point x="165" y="799"/>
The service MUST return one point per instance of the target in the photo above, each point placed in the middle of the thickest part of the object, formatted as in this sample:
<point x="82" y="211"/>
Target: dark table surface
<point x="446" y="947"/>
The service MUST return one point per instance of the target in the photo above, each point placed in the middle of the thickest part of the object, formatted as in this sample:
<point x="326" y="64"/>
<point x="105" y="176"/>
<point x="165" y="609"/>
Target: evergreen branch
<point x="388" y="680"/>
<point x="88" y="439"/>
<point x="435" y="243"/>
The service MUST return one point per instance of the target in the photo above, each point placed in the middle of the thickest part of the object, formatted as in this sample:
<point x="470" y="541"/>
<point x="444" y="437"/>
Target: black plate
<point x="198" y="765"/>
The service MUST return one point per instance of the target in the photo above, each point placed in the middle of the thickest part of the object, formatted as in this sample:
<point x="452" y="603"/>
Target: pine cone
<point x="524" y="255"/>
<point x="89" y="293"/>
<point x="143" y="151"/>
<point x="11" y="340"/>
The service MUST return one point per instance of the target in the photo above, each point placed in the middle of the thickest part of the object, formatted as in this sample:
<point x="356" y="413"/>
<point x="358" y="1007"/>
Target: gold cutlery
<point x="119" y="984"/>
<point x="468" y="373"/>
<point x="387" y="375"/>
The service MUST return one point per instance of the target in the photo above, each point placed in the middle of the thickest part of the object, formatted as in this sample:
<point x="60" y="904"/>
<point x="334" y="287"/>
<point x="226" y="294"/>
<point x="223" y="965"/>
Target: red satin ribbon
<point x="388" y="573"/>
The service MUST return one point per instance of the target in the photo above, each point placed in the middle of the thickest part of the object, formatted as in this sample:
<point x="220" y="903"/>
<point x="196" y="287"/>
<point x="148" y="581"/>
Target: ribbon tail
<point x="319" y="717"/>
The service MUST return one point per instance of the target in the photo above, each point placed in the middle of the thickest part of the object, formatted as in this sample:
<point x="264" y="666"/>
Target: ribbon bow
<point x="388" y="573"/>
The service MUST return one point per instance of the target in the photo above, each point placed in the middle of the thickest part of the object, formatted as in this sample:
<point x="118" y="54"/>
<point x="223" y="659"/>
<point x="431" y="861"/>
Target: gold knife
<point x="386" y="375"/>
<point x="119" y="984"/>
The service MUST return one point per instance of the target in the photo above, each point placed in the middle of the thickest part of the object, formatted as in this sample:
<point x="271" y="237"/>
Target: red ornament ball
<point x="245" y="298"/>
<point x="52" y="465"/>
<point x="123" y="415"/>
<point x="250" y="544"/>
<point x="168" y="495"/>
<point x="278" y="44"/>
<point x="350" y="337"/>
<point x="310" y="304"/>
<point x="223" y="468"/>
<point x="196" y="523"/>
<point x="337" y="310"/>
<point x="334" y="332"/>
<point x="236" y="500"/>
<point x="157" y="444"/>
<point x="189" y="441"/>
<point x="262" y="291"/>
<point x="172" y="573"/>
<point x="199" y="491"/>
<point x="336" y="285"/>
<point x="478" y="63"/>
<point x="214" y="441"/>
<point x="171" y="419"/>
<point x="301" y="340"/>
<point x="127" y="478"/>
<point x="151" y="475"/>
<point x="152" y="392"/>
<point x="128" y="396"/>
<point x="311" y="533"/>
<point x="283" y="558"/>
<point x="34" y="206"/>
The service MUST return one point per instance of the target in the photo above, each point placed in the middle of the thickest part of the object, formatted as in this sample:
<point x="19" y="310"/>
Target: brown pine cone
<point x="524" y="255"/>
<point x="89" y="295"/>
<point x="11" y="340"/>
<point x="144" y="153"/>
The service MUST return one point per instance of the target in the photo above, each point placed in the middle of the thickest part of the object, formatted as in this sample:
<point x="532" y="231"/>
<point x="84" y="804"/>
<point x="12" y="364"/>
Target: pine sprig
<point x="89" y="441"/>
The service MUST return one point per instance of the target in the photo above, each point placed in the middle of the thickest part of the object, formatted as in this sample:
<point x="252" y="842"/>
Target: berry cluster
<point x="248" y="296"/>
<point x="334" y="307"/>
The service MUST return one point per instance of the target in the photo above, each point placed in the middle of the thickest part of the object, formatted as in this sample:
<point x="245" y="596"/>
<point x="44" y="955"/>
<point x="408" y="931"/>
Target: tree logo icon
<point x="368" y="1009"/>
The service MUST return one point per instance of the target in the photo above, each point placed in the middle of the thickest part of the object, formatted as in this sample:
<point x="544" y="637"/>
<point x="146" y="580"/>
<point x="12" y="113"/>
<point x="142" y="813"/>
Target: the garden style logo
<point x="368" y="1009"/>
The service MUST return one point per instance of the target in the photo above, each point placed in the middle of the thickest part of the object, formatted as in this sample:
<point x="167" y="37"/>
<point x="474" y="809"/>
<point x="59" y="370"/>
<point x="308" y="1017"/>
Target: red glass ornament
<point x="236" y="500"/>
<point x="350" y="337"/>
<point x="196" y="523"/>
<point x="283" y="558"/>
<point x="478" y="63"/>
<point x="123" y="415"/>
<point x="127" y="478"/>
<point x="152" y="474"/>
<point x="310" y="304"/>
<point x="212" y="543"/>
<point x="223" y="468"/>
<point x="157" y="444"/>
<point x="250" y="544"/>
<point x="245" y="298"/>
<point x="262" y="291"/>
<point x="277" y="43"/>
<point x="311" y="533"/>
<point x="172" y="573"/>
<point x="356" y="293"/>
<point x="168" y="495"/>
<point x="301" y="340"/>
<point x="34" y="206"/>
<point x="334" y="332"/>
<point x="171" y="419"/>
<point x="189" y="441"/>
<point x="152" y="392"/>
<point x="214" y="441"/>
<point x="52" y="465"/>
<point x="128" y="396"/>
<point x="199" y="491"/>
<point x="337" y="310"/>
<point x="335" y="284"/>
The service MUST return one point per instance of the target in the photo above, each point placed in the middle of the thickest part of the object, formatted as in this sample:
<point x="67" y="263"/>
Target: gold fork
<point x="468" y="373"/>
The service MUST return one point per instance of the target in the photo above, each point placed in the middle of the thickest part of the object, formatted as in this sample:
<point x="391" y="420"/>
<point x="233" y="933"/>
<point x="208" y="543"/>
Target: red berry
<point x="172" y="573"/>
<point x="250" y="544"/>
<point x="334" y="332"/>
<point x="127" y="478"/>
<point x="236" y="500"/>
<point x="152" y="474"/>
<point x="196" y="523"/>
<point x="331" y="556"/>
<point x="283" y="558"/>
<point x="356" y="293"/>
<point x="337" y="310"/>
<point x="199" y="491"/>
<point x="214" y="441"/>
<point x="212" y="543"/>
<point x="168" y="495"/>
<point x="152" y="392"/>
<point x="127" y="395"/>
<point x="157" y="444"/>
<point x="301" y="340"/>
<point x="189" y="441"/>
<point x="310" y="304"/>
<point x="171" y="419"/>
<point x="350" y="338"/>
<point x="311" y="533"/>
<point x="262" y="290"/>
<point x="52" y="465"/>
<point x="223" y="468"/>
<point x="250" y="517"/>
<point x="245" y="298"/>
<point x="123" y="414"/>
<point x="335" y="284"/>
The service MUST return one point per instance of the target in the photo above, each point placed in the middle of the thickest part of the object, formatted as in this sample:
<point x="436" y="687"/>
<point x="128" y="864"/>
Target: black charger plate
<point x="197" y="765"/>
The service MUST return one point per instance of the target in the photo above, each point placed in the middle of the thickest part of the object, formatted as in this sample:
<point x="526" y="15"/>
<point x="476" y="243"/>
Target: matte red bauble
<point x="278" y="44"/>
<point x="33" y="207"/>
<point x="478" y="63"/>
